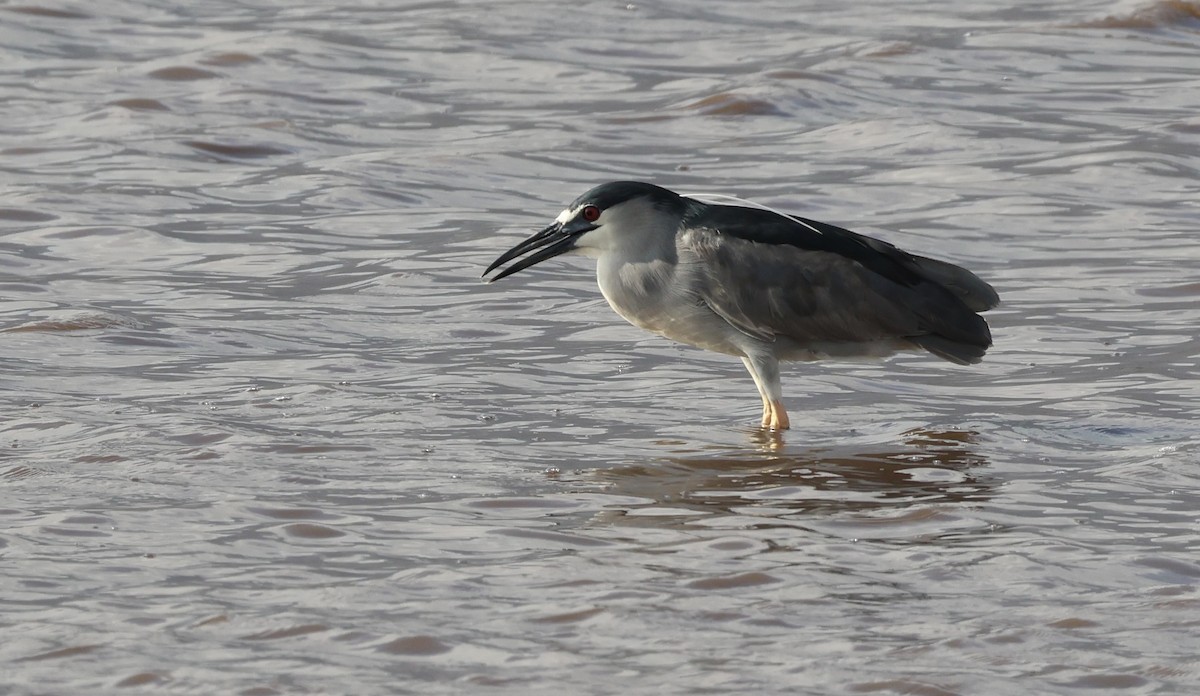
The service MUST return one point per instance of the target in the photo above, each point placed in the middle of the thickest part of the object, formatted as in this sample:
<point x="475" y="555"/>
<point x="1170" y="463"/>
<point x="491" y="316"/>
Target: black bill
<point x="552" y="241"/>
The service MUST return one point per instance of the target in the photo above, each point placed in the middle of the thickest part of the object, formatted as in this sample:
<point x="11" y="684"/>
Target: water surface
<point x="265" y="432"/>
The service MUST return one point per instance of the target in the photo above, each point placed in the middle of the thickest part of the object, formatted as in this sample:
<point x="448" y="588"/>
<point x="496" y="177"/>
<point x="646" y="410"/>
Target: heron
<point x="762" y="285"/>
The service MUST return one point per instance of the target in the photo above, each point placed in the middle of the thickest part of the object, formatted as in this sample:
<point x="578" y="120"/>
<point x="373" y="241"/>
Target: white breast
<point x="657" y="296"/>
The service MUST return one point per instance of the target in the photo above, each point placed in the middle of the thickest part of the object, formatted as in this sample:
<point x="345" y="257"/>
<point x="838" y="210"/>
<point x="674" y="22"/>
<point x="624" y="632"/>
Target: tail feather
<point x="958" y="335"/>
<point x="977" y="295"/>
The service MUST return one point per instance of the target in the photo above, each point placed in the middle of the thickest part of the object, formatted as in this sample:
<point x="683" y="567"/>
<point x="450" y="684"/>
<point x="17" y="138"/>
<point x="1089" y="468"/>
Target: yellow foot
<point x="774" y="416"/>
<point x="779" y="417"/>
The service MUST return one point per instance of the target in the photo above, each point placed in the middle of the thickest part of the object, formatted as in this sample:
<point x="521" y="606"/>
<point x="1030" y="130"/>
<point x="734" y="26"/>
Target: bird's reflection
<point x="927" y="466"/>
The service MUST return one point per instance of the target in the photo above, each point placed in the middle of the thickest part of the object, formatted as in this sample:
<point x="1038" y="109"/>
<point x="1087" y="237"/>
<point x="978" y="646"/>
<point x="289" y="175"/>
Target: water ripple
<point x="263" y="421"/>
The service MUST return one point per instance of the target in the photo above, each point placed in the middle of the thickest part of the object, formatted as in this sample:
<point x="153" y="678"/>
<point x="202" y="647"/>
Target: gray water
<point x="265" y="432"/>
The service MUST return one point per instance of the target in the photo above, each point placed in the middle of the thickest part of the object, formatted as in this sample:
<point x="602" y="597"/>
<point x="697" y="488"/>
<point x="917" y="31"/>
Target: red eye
<point x="591" y="213"/>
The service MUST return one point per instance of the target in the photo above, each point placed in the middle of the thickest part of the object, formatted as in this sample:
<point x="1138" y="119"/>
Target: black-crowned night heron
<point x="762" y="285"/>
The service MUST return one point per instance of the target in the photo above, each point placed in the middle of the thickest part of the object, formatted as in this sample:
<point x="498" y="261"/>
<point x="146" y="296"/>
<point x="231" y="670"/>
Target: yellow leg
<point x="765" y="371"/>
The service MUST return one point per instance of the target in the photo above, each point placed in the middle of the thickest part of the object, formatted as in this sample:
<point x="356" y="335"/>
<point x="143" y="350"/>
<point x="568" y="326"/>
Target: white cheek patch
<point x="598" y="240"/>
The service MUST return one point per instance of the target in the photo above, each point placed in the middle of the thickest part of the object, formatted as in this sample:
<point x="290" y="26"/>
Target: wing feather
<point x="766" y="291"/>
<point x="768" y="275"/>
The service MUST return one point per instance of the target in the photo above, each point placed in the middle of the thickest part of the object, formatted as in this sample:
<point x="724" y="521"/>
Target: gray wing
<point x="811" y="296"/>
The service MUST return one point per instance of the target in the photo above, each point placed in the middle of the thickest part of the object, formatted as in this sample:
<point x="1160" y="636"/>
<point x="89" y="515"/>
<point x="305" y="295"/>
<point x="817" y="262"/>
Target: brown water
<point x="264" y="432"/>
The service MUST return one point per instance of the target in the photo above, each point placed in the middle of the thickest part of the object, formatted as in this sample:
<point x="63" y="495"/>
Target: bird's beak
<point x="552" y="241"/>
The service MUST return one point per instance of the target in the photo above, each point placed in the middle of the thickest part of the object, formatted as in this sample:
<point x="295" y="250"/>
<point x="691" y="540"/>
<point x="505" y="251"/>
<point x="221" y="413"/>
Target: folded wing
<point x="770" y="275"/>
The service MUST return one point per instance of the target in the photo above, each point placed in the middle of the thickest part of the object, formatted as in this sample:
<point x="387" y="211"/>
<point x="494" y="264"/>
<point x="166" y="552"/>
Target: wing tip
<point x="957" y="352"/>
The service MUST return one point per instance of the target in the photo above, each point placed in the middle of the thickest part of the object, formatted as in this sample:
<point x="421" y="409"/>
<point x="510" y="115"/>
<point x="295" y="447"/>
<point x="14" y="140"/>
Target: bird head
<point x="600" y="220"/>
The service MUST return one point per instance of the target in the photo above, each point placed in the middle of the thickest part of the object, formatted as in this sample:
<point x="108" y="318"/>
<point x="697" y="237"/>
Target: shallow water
<point x="264" y="431"/>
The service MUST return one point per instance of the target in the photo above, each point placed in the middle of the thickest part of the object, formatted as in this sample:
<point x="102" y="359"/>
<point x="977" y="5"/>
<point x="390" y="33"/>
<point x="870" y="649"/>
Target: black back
<point x="766" y="227"/>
